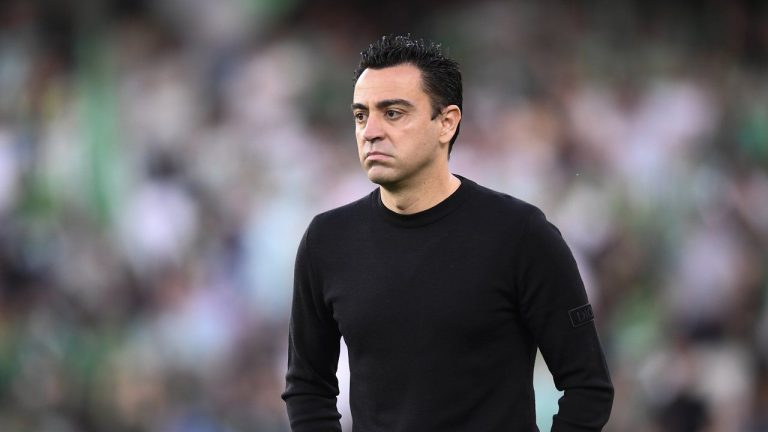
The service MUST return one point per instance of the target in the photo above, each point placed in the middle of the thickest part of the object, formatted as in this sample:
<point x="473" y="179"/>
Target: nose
<point x="372" y="131"/>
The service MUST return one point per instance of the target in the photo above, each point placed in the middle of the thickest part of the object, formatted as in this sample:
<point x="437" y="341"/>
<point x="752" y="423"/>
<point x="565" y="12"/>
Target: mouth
<point x="374" y="155"/>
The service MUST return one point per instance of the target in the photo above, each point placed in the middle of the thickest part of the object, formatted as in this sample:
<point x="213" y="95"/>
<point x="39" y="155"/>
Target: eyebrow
<point x="383" y="104"/>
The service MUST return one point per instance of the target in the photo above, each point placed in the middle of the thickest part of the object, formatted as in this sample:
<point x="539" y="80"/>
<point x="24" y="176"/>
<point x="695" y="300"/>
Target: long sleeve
<point x="555" y="307"/>
<point x="313" y="353"/>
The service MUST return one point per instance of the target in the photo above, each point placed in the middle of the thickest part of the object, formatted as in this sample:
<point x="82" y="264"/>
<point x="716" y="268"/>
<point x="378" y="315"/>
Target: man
<point x="442" y="289"/>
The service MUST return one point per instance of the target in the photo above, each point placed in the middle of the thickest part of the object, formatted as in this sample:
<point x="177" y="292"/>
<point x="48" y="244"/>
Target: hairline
<point x="436" y="106"/>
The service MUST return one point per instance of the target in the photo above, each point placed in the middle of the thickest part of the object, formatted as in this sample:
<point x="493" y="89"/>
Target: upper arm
<point x="552" y="301"/>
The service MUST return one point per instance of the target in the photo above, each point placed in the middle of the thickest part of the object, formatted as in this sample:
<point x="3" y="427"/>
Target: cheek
<point x="425" y="144"/>
<point x="360" y="143"/>
<point x="359" y="133"/>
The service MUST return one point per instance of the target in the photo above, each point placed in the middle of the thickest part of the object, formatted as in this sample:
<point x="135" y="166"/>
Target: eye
<point x="392" y="114"/>
<point x="360" y="117"/>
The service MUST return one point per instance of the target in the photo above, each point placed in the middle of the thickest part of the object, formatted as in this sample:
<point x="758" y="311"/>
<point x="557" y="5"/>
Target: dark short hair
<point x="440" y="75"/>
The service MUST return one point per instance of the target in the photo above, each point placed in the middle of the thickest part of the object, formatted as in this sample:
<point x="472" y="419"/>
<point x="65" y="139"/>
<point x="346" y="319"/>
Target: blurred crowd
<point x="160" y="160"/>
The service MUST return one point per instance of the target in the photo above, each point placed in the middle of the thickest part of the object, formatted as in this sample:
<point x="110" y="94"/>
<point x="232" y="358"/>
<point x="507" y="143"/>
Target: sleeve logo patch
<point x="581" y="315"/>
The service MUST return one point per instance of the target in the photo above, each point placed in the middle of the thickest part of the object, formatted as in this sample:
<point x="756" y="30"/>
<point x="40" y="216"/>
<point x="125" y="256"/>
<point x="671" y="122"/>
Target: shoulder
<point x="338" y="220"/>
<point x="502" y="205"/>
<point x="524" y="220"/>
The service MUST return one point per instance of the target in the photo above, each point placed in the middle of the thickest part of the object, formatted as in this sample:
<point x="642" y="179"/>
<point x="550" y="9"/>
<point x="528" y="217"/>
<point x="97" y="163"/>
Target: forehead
<point x="396" y="82"/>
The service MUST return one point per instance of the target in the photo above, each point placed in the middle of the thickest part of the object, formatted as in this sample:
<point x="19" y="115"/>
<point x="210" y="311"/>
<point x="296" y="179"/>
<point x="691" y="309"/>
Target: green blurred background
<point x="159" y="161"/>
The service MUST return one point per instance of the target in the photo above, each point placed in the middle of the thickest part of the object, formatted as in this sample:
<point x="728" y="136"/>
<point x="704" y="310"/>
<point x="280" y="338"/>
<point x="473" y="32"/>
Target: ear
<point x="449" y="121"/>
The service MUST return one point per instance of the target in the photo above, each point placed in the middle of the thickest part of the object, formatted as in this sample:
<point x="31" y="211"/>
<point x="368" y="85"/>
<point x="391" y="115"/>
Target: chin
<point x="382" y="177"/>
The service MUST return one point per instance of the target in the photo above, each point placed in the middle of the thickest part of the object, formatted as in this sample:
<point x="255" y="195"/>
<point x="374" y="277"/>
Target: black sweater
<point x="442" y="312"/>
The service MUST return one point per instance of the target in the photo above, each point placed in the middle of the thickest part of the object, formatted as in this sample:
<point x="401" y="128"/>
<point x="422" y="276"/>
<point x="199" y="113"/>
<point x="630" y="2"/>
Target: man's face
<point x="397" y="139"/>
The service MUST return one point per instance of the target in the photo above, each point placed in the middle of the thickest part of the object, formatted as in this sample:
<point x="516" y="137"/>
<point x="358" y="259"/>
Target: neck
<point x="420" y="195"/>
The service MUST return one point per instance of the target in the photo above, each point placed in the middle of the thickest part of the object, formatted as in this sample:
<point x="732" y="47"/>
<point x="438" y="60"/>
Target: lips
<point x="374" y="155"/>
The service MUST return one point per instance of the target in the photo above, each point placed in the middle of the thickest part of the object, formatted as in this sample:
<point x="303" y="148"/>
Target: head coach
<point x="442" y="289"/>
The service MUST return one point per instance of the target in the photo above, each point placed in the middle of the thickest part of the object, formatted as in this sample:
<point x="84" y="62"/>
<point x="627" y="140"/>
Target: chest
<point x="447" y="290"/>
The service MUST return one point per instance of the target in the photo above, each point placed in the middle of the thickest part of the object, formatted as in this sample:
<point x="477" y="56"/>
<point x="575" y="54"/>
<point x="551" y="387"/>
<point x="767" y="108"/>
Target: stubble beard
<point x="383" y="177"/>
<point x="394" y="179"/>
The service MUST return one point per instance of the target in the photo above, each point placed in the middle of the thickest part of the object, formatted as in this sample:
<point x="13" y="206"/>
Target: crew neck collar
<point x="424" y="217"/>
